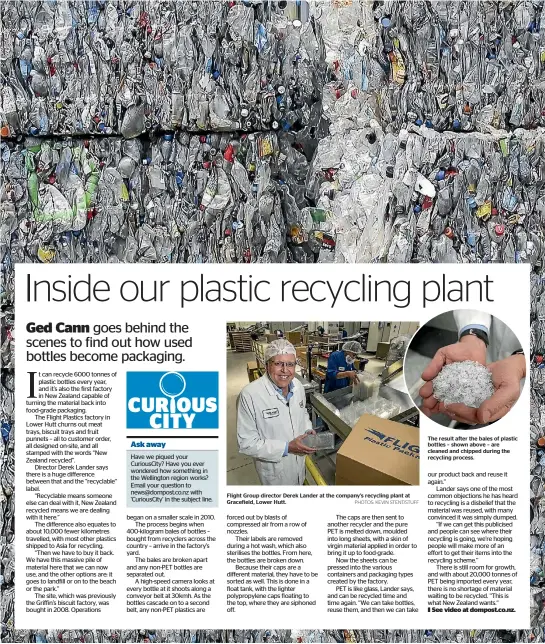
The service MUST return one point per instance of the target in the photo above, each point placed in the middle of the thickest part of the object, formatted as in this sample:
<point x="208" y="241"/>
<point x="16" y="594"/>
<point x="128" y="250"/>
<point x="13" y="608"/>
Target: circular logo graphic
<point x="172" y="384"/>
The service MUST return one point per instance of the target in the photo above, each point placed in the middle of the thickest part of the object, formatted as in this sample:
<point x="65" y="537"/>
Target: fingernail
<point x="486" y="416"/>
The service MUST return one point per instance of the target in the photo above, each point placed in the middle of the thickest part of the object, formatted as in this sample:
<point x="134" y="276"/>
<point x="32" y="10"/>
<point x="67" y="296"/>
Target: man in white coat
<point x="272" y="419"/>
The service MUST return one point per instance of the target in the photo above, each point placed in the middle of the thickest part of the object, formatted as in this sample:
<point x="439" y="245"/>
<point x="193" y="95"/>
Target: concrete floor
<point x="240" y="468"/>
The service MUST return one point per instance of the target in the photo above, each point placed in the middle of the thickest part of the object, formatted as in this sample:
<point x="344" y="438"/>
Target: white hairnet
<point x="352" y="346"/>
<point x="278" y="348"/>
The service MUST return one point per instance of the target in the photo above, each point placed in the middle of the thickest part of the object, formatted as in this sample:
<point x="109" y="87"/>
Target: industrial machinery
<point x="326" y="409"/>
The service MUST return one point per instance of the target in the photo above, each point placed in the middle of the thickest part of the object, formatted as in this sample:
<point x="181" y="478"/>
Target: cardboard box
<point x="379" y="452"/>
<point x="293" y="336"/>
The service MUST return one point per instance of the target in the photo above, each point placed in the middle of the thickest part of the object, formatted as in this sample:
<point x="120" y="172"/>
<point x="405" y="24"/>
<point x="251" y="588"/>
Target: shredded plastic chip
<point x="467" y="382"/>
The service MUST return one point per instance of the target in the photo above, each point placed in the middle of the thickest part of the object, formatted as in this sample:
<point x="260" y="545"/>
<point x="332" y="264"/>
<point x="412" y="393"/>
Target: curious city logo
<point x="172" y="400"/>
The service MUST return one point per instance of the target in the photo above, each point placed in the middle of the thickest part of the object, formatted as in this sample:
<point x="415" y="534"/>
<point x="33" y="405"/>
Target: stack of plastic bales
<point x="176" y="198"/>
<point x="449" y="175"/>
<point x="123" y="67"/>
<point x="247" y="75"/>
<point x="115" y="637"/>
<point x="435" y="154"/>
<point x="143" y="131"/>
<point x="537" y="453"/>
<point x="427" y="196"/>
<point x="255" y="635"/>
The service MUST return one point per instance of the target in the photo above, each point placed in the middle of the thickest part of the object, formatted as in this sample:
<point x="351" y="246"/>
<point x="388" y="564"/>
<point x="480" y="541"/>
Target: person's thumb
<point x="435" y="365"/>
<point x="498" y="405"/>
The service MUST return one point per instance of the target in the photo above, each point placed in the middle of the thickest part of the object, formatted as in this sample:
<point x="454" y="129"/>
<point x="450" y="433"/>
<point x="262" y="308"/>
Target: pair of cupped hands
<point x="506" y="377"/>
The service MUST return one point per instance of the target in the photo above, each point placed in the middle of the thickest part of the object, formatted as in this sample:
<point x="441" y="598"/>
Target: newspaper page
<point x="133" y="507"/>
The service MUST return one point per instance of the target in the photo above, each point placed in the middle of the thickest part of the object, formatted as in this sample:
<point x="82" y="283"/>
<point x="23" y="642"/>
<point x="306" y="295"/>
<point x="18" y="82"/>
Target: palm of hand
<point x="506" y="377"/>
<point x="457" y="352"/>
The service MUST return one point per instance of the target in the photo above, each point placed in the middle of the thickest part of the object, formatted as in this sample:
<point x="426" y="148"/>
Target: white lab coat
<point x="502" y="341"/>
<point x="265" y="422"/>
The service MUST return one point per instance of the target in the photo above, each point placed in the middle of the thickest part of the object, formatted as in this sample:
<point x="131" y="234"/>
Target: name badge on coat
<point x="271" y="413"/>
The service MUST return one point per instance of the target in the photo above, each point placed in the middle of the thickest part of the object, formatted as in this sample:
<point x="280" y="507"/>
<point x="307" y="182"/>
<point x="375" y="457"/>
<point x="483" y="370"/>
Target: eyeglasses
<point x="288" y="365"/>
